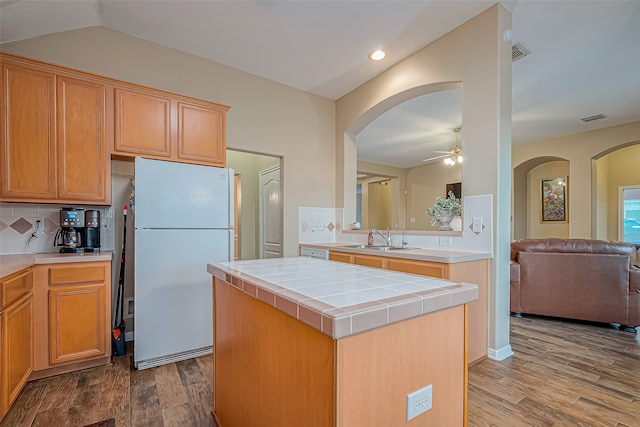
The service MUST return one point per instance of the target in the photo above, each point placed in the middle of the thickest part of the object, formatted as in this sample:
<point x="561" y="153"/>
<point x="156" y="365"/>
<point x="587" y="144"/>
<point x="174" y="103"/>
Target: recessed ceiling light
<point x="377" y="55"/>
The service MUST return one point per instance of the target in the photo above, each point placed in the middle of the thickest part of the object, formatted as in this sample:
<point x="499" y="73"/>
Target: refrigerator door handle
<point x="231" y="246"/>
<point x="232" y="192"/>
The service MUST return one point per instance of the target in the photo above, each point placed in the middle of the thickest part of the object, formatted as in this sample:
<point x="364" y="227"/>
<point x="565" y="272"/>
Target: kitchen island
<point x="303" y="341"/>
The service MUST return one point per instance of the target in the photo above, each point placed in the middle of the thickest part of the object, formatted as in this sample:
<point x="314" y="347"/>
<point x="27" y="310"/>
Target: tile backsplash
<point x="17" y="235"/>
<point x="317" y="225"/>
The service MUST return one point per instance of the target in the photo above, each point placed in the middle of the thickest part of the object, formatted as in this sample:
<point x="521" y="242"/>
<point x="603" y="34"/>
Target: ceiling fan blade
<point x="437" y="157"/>
<point x="444" y="152"/>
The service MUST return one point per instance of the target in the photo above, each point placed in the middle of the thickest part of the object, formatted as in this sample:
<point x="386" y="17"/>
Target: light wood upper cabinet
<point x="53" y="139"/>
<point x="159" y="125"/>
<point x="142" y="123"/>
<point x="201" y="133"/>
<point x="27" y="140"/>
<point x="16" y="336"/>
<point x="82" y="151"/>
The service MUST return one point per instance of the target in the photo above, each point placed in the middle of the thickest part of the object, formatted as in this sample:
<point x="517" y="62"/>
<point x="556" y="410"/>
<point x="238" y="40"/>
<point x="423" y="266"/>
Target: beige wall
<point x="265" y="117"/>
<point x="535" y="227"/>
<point x="484" y="73"/>
<point x="582" y="151"/>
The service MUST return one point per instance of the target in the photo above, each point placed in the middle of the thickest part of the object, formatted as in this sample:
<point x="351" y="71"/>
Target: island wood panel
<point x="475" y="272"/>
<point x="377" y="369"/>
<point x="270" y="369"/>
<point x="299" y="376"/>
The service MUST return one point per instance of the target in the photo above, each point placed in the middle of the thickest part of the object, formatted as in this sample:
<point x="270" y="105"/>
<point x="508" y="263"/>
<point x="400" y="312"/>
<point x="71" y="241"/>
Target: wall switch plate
<point x="419" y="402"/>
<point x="476" y="225"/>
<point x="412" y="220"/>
<point x="446" y="241"/>
<point x="37" y="226"/>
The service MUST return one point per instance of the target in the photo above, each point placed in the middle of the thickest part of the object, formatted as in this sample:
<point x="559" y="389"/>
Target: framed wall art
<point x="553" y="200"/>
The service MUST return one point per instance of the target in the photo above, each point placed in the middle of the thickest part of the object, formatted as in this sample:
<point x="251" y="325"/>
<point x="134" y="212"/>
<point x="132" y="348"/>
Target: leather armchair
<point x="582" y="279"/>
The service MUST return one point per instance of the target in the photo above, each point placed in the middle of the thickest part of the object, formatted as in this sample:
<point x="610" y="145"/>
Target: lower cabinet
<point x="16" y="337"/>
<point x="76" y="323"/>
<point x="54" y="318"/>
<point x="73" y="318"/>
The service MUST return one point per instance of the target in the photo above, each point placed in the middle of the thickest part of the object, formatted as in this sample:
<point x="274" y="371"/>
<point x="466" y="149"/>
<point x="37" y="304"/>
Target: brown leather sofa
<point x="592" y="280"/>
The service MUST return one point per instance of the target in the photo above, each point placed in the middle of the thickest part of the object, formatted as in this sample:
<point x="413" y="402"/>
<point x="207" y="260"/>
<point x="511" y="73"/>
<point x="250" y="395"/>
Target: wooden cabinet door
<point x="17" y="349"/>
<point x="340" y="257"/>
<point x="76" y="323"/>
<point x="142" y="123"/>
<point x="82" y="154"/>
<point x="201" y="134"/>
<point x="27" y="139"/>
<point x="424" y="268"/>
<point x="370" y="261"/>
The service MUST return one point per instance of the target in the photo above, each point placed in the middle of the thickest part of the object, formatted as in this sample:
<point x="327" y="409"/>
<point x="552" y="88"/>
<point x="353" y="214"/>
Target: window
<point x="630" y="215"/>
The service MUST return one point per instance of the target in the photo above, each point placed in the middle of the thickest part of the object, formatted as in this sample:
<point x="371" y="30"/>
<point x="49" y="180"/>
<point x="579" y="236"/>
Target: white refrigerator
<point x="183" y="219"/>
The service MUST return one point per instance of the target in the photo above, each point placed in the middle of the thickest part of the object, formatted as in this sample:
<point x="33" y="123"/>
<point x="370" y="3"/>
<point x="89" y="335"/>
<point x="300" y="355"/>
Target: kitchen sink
<point x="379" y="247"/>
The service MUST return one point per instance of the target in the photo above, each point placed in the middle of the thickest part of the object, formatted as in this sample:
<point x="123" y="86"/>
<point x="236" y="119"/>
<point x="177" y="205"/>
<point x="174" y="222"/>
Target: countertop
<point x="10" y="264"/>
<point x="341" y="299"/>
<point x="418" y="254"/>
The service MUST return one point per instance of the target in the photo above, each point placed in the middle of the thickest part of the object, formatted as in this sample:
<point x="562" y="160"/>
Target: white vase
<point x="446" y="215"/>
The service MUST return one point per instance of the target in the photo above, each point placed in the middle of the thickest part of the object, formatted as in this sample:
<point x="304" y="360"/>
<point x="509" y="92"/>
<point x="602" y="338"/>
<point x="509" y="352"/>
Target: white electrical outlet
<point x="446" y="241"/>
<point x="37" y="224"/>
<point x="419" y="402"/>
<point x="476" y="225"/>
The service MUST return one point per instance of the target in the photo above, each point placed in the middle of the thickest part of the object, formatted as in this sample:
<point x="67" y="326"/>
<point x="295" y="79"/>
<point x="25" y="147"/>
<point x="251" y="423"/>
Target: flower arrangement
<point x="451" y="204"/>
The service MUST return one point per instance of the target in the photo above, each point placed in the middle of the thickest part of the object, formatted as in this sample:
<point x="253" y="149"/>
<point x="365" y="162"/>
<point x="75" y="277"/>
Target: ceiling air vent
<point x="592" y="118"/>
<point x="518" y="52"/>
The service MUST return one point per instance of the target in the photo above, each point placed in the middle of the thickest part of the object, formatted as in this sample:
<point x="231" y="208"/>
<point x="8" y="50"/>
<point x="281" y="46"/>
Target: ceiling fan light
<point x="459" y="159"/>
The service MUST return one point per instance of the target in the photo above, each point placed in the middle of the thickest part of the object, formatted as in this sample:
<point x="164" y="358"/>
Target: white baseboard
<point x="128" y="336"/>
<point x="500" y="354"/>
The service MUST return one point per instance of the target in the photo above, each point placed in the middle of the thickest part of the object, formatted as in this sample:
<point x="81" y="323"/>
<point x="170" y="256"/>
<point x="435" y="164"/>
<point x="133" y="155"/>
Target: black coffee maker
<point x="91" y="242"/>
<point x="79" y="230"/>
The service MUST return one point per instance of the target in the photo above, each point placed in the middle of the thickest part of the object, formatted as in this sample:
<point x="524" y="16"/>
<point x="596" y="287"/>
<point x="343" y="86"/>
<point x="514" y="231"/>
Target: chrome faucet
<point x="387" y="237"/>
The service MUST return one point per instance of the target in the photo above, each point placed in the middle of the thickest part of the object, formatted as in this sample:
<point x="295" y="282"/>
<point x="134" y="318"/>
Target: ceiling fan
<point x="453" y="156"/>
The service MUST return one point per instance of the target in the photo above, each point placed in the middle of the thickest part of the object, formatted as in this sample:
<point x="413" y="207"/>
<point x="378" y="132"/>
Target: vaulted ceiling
<point x="584" y="61"/>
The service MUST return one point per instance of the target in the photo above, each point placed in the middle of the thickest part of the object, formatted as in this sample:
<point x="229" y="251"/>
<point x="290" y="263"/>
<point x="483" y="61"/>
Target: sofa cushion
<point x="584" y="246"/>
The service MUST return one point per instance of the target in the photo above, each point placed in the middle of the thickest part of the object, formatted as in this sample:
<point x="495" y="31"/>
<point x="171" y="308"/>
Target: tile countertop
<point x="341" y="299"/>
<point x="10" y="264"/>
<point x="418" y="254"/>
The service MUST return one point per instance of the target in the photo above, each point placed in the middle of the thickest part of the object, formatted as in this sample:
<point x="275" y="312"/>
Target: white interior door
<point x="270" y="213"/>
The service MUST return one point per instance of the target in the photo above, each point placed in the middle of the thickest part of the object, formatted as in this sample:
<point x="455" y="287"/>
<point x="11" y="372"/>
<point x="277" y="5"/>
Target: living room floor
<point x="562" y="373"/>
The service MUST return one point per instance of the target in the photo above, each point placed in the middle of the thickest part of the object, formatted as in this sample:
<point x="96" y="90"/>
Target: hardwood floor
<point x="562" y="374"/>
<point x="178" y="394"/>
